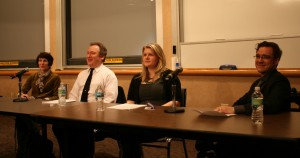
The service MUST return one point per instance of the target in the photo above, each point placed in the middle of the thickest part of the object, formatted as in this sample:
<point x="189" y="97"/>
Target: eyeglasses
<point x="264" y="57"/>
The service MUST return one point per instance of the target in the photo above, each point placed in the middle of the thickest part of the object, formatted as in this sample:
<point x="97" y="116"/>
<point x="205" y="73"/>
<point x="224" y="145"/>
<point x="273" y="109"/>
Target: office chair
<point x="295" y="98"/>
<point x="168" y="140"/>
<point x="121" y="95"/>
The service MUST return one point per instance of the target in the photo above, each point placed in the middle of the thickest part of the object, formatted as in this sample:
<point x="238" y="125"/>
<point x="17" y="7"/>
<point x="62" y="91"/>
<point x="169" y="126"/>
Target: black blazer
<point x="276" y="90"/>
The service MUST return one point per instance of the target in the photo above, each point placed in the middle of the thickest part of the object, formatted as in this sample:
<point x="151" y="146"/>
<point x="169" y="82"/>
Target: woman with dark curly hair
<point x="43" y="85"/>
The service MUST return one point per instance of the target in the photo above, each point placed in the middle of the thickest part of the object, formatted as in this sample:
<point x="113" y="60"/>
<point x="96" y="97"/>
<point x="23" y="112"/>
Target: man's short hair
<point x="103" y="50"/>
<point x="277" y="52"/>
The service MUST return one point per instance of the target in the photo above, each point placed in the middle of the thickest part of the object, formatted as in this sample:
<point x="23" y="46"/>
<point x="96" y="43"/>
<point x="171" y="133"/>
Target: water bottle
<point x="257" y="106"/>
<point x="99" y="94"/>
<point x="62" y="92"/>
<point x="175" y="60"/>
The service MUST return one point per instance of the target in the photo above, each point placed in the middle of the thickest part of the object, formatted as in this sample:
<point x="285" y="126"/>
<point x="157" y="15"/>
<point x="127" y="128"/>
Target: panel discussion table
<point x="189" y="125"/>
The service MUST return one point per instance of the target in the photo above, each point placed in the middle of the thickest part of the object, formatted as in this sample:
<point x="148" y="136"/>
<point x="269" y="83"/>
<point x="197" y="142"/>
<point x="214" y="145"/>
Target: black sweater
<point x="133" y="92"/>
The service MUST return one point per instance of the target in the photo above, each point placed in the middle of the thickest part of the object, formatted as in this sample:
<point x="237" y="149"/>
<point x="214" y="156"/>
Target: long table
<point x="188" y="125"/>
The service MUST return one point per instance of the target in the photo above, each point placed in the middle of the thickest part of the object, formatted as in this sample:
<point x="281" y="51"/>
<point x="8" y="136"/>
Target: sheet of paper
<point x="56" y="101"/>
<point x="213" y="113"/>
<point x="126" y="106"/>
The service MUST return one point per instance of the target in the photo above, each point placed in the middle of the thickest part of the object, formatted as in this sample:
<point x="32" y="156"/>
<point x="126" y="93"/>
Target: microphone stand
<point x="174" y="109"/>
<point x="19" y="99"/>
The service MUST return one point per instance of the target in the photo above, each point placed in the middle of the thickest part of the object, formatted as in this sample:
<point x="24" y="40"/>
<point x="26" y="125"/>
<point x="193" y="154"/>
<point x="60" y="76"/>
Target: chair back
<point x="121" y="95"/>
<point x="183" y="97"/>
<point x="295" y="98"/>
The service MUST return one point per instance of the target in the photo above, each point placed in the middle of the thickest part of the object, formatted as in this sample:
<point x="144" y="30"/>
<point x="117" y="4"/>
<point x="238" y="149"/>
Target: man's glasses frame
<point x="264" y="57"/>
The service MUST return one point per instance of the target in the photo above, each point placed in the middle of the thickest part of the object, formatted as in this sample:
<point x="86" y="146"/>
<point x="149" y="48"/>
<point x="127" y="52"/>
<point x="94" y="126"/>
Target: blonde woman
<point x="150" y="86"/>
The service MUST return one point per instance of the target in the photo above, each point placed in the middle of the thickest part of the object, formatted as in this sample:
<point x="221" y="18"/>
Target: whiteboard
<point x="239" y="53"/>
<point x="215" y="32"/>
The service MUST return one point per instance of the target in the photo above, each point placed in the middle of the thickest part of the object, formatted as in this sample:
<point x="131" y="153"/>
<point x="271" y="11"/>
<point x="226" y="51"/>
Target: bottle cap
<point x="174" y="49"/>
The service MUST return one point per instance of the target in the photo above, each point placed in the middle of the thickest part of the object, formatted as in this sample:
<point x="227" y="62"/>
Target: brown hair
<point x="102" y="48"/>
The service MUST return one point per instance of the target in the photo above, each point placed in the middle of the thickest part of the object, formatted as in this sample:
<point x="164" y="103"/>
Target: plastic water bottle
<point x="62" y="93"/>
<point x="99" y="94"/>
<point x="175" y="60"/>
<point x="257" y="106"/>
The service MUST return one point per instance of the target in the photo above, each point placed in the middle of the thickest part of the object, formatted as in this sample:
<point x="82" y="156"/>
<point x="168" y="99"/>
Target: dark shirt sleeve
<point x="240" y="108"/>
<point x="133" y="91"/>
<point x="27" y="86"/>
<point x="243" y="105"/>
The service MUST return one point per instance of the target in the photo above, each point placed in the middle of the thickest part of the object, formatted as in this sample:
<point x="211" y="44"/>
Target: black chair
<point x="121" y="96"/>
<point x="295" y="98"/>
<point x="168" y="140"/>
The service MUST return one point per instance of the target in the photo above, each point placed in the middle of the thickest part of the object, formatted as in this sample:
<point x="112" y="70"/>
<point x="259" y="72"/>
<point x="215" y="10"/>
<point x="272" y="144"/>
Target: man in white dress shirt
<point x="101" y="75"/>
<point x="76" y="141"/>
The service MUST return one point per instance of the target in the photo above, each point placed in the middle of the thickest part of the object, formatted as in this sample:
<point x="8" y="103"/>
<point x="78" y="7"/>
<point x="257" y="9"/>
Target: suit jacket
<point x="276" y="90"/>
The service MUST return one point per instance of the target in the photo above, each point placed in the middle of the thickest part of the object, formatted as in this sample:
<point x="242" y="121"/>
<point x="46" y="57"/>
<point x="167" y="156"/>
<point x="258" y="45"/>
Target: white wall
<point x="239" y="53"/>
<point x="216" y="32"/>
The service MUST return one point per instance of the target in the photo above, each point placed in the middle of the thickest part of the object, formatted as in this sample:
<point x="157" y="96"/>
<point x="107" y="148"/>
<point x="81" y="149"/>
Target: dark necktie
<point x="261" y="81"/>
<point x="86" y="88"/>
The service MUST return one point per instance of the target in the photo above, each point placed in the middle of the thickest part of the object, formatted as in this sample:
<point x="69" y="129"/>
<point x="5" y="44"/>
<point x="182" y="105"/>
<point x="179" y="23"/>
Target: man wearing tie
<point x="76" y="141"/>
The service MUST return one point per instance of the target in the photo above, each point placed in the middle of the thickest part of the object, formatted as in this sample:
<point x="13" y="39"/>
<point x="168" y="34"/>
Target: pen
<point x="150" y="105"/>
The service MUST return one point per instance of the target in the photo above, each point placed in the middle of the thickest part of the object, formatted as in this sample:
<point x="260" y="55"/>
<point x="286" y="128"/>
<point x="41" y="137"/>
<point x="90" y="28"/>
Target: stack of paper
<point x="126" y="106"/>
<point x="56" y="101"/>
<point x="213" y="113"/>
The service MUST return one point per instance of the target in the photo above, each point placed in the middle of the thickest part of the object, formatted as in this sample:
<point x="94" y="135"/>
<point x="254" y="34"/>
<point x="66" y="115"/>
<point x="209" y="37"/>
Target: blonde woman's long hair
<point x="161" y="65"/>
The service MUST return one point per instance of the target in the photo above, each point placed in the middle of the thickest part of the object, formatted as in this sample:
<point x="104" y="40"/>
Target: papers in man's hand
<point x="213" y="113"/>
<point x="56" y="101"/>
<point x="126" y="106"/>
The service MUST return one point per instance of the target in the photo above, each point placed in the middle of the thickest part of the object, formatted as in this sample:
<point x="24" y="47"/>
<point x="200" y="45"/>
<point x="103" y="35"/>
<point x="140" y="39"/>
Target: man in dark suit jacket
<point x="276" y="90"/>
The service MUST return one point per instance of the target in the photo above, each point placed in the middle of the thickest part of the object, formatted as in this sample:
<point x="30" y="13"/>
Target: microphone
<point x="174" y="73"/>
<point x="19" y="74"/>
